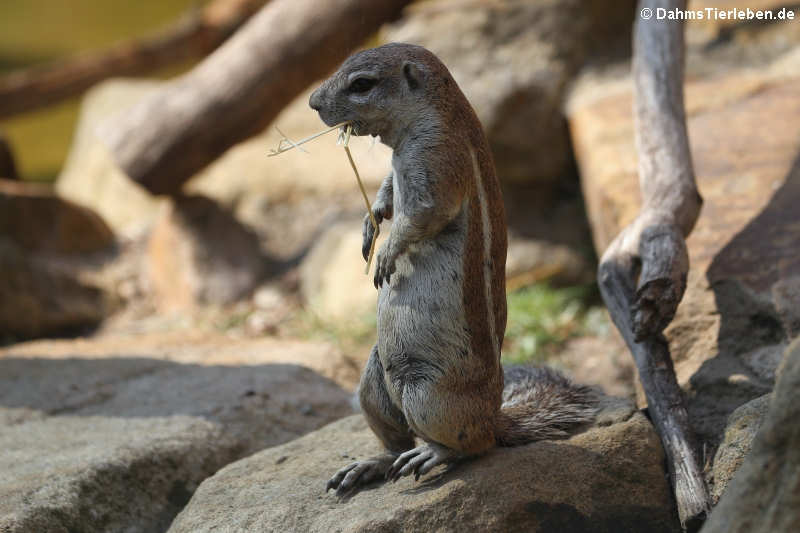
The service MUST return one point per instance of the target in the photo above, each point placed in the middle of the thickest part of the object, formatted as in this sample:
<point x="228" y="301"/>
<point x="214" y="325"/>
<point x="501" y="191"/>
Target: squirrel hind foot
<point x="421" y="460"/>
<point x="360" y="473"/>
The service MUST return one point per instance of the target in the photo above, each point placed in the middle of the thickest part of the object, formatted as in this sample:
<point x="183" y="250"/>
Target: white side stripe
<point x="487" y="252"/>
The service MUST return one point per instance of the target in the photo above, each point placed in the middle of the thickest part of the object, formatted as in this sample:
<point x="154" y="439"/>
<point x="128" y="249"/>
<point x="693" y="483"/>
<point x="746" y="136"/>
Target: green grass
<point x="39" y="31"/>
<point x="355" y="335"/>
<point x="541" y="319"/>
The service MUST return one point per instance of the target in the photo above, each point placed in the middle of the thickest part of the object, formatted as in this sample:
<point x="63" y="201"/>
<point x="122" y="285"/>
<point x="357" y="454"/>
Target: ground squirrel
<point x="435" y="371"/>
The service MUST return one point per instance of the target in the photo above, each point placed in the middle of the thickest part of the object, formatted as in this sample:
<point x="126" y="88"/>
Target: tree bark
<point x="642" y="274"/>
<point x="193" y="37"/>
<point x="8" y="168"/>
<point x="235" y="92"/>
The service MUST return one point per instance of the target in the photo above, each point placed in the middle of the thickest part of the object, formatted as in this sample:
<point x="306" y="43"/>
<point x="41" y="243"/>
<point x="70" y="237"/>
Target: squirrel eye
<point x="362" y="85"/>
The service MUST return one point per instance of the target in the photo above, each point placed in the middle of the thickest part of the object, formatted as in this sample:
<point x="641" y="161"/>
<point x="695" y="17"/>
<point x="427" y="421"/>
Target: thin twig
<point x="345" y="130"/>
<point x="375" y="226"/>
<point x="281" y="149"/>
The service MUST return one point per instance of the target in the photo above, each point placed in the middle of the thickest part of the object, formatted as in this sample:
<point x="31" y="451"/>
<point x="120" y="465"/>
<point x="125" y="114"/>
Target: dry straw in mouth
<point x="345" y="130"/>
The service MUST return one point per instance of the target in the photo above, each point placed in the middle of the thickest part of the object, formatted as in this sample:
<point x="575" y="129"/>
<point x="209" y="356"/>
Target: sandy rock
<point x="532" y="261"/>
<point x="764" y="496"/>
<point x="513" y="60"/>
<point x="332" y="278"/>
<point x="606" y="479"/>
<point x="199" y="253"/>
<point x="601" y="360"/>
<point x="38" y="297"/>
<point x="34" y="218"/>
<point x="742" y="426"/>
<point x="104" y="474"/>
<point x="50" y="253"/>
<point x="730" y="324"/>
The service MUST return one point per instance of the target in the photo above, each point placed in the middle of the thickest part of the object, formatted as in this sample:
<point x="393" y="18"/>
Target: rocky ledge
<point x="607" y="479"/>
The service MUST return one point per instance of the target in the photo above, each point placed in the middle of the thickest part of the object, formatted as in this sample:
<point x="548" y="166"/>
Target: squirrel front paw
<point x="385" y="264"/>
<point x="380" y="212"/>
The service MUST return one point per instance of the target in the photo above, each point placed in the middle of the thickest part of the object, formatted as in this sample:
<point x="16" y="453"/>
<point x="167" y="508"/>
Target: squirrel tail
<point x="540" y="403"/>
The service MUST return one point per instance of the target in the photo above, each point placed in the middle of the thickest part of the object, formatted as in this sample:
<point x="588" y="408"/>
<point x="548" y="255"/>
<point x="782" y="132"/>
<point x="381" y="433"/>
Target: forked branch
<point x="642" y="274"/>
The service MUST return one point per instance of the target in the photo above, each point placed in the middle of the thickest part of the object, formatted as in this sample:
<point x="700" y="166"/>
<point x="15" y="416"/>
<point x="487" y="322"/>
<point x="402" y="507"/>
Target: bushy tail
<point x="540" y="403"/>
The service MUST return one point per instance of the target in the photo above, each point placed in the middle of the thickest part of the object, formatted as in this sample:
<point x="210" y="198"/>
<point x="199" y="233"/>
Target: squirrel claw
<point x="357" y="474"/>
<point x="419" y="460"/>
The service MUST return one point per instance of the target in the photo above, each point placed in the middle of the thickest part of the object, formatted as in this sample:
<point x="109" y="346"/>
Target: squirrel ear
<point x="413" y="75"/>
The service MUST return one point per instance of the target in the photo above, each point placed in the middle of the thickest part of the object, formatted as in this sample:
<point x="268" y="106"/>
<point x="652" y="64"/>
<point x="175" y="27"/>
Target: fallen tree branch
<point x="642" y="274"/>
<point x="192" y="37"/>
<point x="236" y="91"/>
<point x="8" y="169"/>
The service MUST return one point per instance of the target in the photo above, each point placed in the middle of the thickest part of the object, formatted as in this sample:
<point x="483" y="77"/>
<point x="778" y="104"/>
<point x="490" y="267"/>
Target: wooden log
<point x="642" y="274"/>
<point x="8" y="168"/>
<point x="194" y="36"/>
<point x="236" y="91"/>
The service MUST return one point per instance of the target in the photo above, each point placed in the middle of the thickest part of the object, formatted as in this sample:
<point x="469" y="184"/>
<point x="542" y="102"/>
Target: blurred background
<point x="143" y="227"/>
<point x="247" y="247"/>
<point x="252" y="247"/>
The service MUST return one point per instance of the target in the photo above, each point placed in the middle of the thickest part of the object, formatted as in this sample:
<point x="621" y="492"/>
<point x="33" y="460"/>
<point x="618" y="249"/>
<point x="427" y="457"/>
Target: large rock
<point x="199" y="253"/>
<point x="734" y="320"/>
<point x="35" y="219"/>
<point x="608" y="479"/>
<point x="332" y="276"/>
<point x="764" y="496"/>
<point x="243" y="180"/>
<point x="115" y="434"/>
<point x="742" y="426"/>
<point x="51" y="253"/>
<point x="514" y="60"/>
<point x="103" y="473"/>
<point x="200" y="348"/>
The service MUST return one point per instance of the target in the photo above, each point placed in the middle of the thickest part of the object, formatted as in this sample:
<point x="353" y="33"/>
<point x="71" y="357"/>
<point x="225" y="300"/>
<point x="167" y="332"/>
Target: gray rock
<point x="742" y="426"/>
<point x="103" y="473"/>
<point x="608" y="479"/>
<point x="99" y="441"/>
<point x="258" y="406"/>
<point x="764" y="496"/>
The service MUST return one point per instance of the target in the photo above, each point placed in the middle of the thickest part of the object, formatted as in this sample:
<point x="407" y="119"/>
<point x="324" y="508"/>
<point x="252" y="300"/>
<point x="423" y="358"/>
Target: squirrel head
<point x="384" y="91"/>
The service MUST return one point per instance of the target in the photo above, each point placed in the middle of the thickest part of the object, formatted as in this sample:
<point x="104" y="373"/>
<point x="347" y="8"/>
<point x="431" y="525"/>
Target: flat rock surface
<point x="607" y="479"/>
<point x="104" y="473"/>
<point x="115" y="434"/>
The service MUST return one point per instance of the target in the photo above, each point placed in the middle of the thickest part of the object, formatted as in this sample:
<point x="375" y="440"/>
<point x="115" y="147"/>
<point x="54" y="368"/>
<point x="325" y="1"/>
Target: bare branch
<point x="194" y="36"/>
<point x="643" y="272"/>
<point x="236" y="91"/>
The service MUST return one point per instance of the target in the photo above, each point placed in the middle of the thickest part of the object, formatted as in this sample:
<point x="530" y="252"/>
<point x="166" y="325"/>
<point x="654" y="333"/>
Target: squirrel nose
<point x="315" y="101"/>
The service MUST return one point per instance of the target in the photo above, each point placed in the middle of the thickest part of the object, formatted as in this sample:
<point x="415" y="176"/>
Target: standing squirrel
<point x="435" y="372"/>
